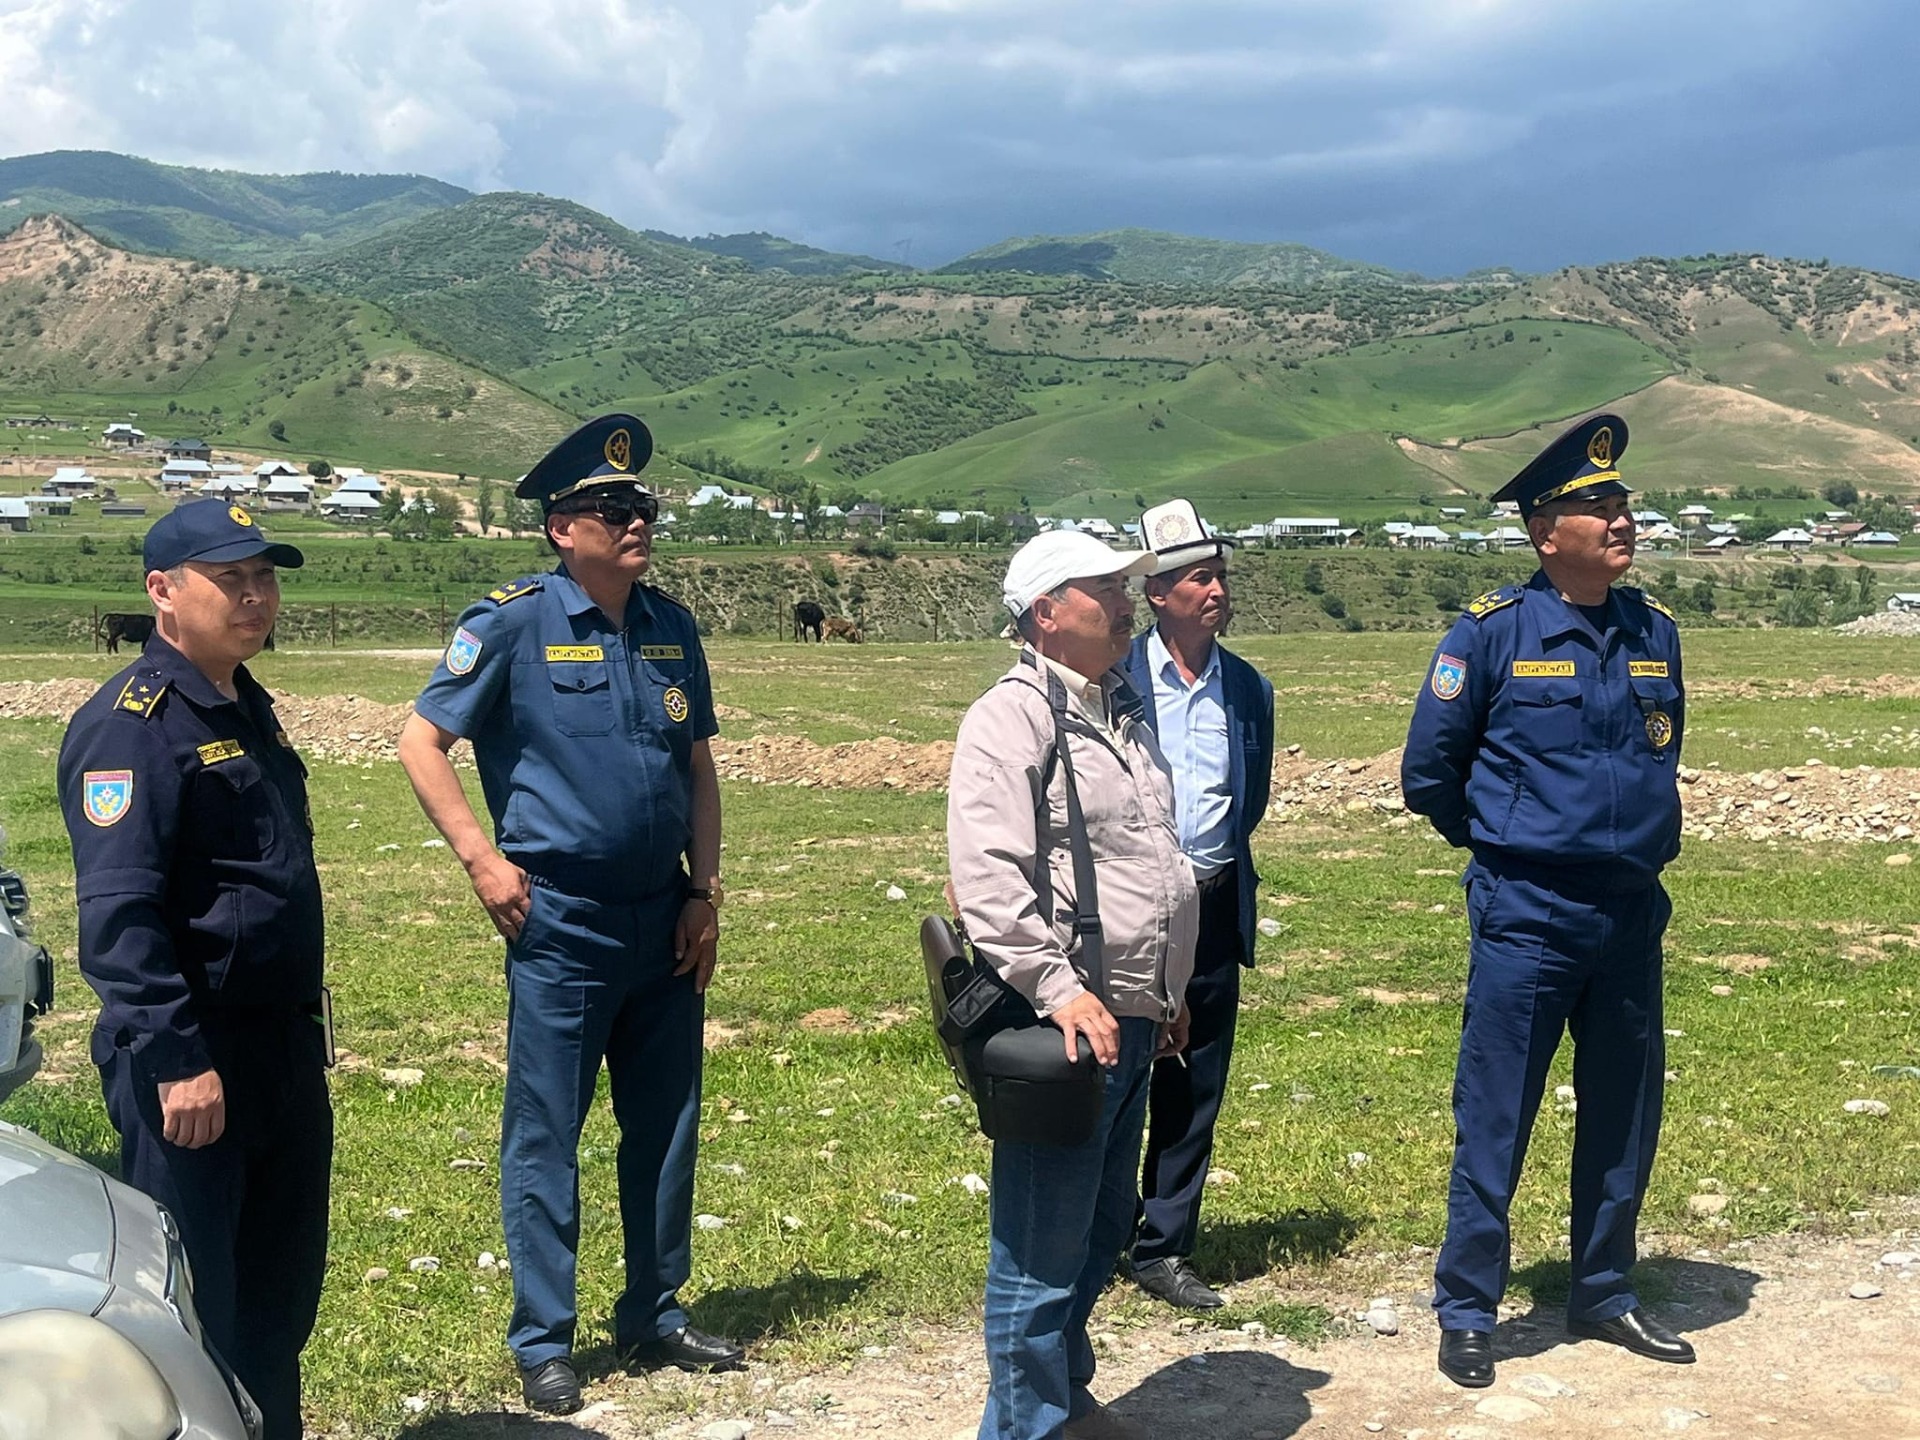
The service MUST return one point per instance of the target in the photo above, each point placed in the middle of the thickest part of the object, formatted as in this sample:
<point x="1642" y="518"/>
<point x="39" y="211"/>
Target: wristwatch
<point x="713" y="892"/>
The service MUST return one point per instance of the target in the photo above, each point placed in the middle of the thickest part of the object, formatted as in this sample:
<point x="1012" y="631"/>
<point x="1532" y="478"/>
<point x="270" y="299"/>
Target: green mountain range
<point x="396" y="321"/>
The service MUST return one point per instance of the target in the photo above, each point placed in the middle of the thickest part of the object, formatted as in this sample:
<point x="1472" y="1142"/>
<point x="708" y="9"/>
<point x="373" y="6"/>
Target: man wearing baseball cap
<point x="200" y="927"/>
<point x="1062" y="1214"/>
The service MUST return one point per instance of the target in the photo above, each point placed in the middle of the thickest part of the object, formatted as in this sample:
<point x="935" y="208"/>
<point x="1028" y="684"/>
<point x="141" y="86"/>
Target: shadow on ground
<point x="1686" y="1295"/>
<point x="1239" y="1250"/>
<point x="761" y="1312"/>
<point x="498" y="1425"/>
<point x="1235" y="1395"/>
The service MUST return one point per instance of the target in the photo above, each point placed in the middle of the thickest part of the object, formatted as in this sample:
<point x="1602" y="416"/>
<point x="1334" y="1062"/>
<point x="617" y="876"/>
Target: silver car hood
<point x="56" y="1239"/>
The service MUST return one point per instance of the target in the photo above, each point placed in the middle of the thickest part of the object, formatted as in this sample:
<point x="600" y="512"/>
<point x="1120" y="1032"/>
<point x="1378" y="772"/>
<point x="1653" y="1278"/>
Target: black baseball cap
<point x="210" y="531"/>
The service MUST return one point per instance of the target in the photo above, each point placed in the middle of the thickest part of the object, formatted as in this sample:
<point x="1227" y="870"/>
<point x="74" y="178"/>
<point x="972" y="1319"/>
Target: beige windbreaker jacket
<point x="1018" y="905"/>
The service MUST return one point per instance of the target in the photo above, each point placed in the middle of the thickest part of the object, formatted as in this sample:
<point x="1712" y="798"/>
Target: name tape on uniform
<point x="1540" y="669"/>
<point x="662" y="652"/>
<point x="1657" y="669"/>
<point x="218" y="750"/>
<point x="558" y="653"/>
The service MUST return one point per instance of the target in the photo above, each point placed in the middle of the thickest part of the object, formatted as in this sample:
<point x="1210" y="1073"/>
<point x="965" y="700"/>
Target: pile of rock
<point x="1857" y="804"/>
<point x="1885" y="622"/>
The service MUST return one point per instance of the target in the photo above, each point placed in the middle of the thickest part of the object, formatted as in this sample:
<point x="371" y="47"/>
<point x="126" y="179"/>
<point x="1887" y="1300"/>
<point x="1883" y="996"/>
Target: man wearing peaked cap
<point x="201" y="929"/>
<point x="1213" y="714"/>
<point x="586" y="696"/>
<point x="1546" y="742"/>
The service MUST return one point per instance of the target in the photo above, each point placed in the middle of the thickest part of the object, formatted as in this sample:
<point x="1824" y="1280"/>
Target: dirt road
<point x="1783" y="1352"/>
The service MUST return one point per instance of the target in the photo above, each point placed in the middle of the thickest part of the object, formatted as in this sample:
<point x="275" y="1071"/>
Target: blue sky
<point x="1431" y="135"/>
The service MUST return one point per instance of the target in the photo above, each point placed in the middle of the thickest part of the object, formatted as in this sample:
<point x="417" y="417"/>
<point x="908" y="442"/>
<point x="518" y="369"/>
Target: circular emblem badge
<point x="1660" y="729"/>
<point x="1600" y="447"/>
<point x="619" y="449"/>
<point x="239" y="516"/>
<point x="1170" y="530"/>
<point x="676" y="702"/>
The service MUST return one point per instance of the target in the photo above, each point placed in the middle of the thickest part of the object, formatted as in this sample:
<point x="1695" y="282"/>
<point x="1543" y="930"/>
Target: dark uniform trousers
<point x="1184" y="1101"/>
<point x="587" y="980"/>
<point x="1543" y="961"/>
<point x="252" y="1206"/>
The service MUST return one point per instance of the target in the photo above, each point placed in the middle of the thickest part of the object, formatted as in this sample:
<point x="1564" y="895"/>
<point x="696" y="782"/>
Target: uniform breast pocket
<point x="582" y="698"/>
<point x="238" y="804"/>
<point x="1547" y="713"/>
<point x="1656" y="701"/>
<point x="670" y="690"/>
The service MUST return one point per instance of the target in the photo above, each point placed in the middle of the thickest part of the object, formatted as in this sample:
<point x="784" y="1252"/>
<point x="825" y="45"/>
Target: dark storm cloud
<point x="1436" y="135"/>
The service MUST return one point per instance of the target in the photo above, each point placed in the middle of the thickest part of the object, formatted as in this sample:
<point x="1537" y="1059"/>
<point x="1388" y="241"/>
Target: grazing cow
<point x="844" y="630"/>
<point x="808" y="616"/>
<point x="114" y="628"/>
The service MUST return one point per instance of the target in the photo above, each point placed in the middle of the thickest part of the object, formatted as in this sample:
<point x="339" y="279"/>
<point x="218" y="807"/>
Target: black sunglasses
<point x="619" y="513"/>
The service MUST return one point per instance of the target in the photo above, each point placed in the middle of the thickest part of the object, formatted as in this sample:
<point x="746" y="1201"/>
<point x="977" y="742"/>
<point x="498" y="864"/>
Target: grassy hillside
<point x="87" y="331"/>
<point x="1150" y="257"/>
<point x="769" y="252"/>
<point x="222" y="215"/>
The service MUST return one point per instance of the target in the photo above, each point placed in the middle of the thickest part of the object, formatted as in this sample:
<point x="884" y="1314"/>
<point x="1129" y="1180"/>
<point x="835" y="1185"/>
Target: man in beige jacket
<point x="1062" y="1214"/>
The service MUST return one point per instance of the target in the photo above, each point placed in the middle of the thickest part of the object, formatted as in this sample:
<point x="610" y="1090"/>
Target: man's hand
<point x="504" y="889"/>
<point x="1174" y="1035"/>
<point x="696" y="942"/>
<point x="1085" y="1015"/>
<point x="193" y="1112"/>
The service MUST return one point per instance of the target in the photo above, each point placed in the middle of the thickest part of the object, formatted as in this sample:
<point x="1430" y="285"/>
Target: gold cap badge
<point x="619" y="449"/>
<point x="239" y="516"/>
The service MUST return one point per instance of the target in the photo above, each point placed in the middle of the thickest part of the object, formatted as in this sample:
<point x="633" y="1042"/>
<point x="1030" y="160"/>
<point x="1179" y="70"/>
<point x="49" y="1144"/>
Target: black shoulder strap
<point x="1086" y="920"/>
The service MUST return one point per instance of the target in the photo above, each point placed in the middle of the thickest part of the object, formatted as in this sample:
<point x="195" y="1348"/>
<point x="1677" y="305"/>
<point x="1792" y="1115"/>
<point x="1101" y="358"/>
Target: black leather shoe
<point x="1173" y="1281"/>
<point x="687" y="1348"/>
<point x="552" y="1388"/>
<point x="1639" y="1332"/>
<point x="1466" y="1357"/>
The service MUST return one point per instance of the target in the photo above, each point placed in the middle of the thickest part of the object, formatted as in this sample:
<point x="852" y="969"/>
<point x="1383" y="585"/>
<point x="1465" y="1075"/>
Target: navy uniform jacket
<point x="1549" y="750"/>
<point x="583" y="732"/>
<point x="1249" y="701"/>
<point x="193" y="858"/>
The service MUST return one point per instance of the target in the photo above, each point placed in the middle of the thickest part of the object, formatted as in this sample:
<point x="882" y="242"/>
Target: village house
<point x="14" y="514"/>
<point x="1788" y="540"/>
<point x="350" y="505"/>
<point x="1904" y="600"/>
<point x="188" y="450"/>
<point x="122" y="436"/>
<point x="288" y="492"/>
<point x="49" y="504"/>
<point x="71" y="480"/>
<point x="184" y="474"/>
<point x="1873" y="537"/>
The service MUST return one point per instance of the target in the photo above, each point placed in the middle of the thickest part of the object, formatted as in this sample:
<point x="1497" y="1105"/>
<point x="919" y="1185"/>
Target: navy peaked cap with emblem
<point x="611" y="450"/>
<point x="1583" y="463"/>
<point x="210" y="531"/>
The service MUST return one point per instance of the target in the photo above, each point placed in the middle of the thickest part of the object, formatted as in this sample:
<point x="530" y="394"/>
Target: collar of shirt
<point x="188" y="678"/>
<point x="575" y="600"/>
<point x="1165" y="666"/>
<point x="1562" y="617"/>
<point x="1089" y="696"/>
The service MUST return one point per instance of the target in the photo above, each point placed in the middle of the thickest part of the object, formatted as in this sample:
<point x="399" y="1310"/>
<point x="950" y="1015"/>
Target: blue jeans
<point x="1060" y="1218"/>
<point x="587" y="980"/>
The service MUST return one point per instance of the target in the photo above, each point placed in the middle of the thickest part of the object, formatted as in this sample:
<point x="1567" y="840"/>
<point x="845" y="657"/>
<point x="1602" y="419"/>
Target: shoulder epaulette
<point x="1656" y="605"/>
<point x="1634" y="592"/>
<point x="674" y="600"/>
<point x="514" y="589"/>
<point x="141" y="693"/>
<point x="1495" y="600"/>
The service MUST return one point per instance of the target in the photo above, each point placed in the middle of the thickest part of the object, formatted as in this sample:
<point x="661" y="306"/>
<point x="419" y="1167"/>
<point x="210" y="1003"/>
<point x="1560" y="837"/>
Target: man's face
<point x="1592" y="538"/>
<point x="1196" y="599"/>
<point x="611" y="534"/>
<point x="1087" y="626"/>
<point x="220" y="611"/>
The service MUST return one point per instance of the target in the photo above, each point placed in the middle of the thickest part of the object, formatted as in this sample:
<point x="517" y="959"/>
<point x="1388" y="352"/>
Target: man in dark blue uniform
<point x="586" y="697"/>
<point x="1546" y="741"/>
<point x="1213" y="713"/>
<point x="200" y="927"/>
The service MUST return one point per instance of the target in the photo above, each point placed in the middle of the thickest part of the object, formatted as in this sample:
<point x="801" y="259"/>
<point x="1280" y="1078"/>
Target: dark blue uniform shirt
<point x="1549" y="746"/>
<point x="583" y="730"/>
<point x="193" y="857"/>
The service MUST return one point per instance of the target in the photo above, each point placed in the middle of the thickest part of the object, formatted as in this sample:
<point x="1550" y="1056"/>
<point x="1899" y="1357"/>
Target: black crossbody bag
<point x="1011" y="1062"/>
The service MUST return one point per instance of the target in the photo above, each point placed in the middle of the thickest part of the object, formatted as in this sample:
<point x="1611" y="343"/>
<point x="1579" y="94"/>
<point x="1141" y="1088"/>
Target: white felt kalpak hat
<point x="1050" y="560"/>
<point x="1175" y="536"/>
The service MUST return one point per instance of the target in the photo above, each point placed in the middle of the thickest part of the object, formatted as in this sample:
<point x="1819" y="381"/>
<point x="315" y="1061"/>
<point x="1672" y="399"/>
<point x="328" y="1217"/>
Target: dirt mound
<point x="1802" y="802"/>
<point x="1887" y="622"/>
<point x="882" y="763"/>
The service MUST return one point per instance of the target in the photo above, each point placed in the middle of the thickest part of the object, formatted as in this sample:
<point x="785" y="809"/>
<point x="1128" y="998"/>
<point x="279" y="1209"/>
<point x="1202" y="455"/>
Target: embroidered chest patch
<point x="675" y="701"/>
<point x="1541" y="669"/>
<point x="1660" y="729"/>
<point x="561" y="654"/>
<point x="215" y="751"/>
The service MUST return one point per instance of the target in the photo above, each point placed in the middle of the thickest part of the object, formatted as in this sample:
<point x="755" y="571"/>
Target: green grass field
<point x="825" y="1095"/>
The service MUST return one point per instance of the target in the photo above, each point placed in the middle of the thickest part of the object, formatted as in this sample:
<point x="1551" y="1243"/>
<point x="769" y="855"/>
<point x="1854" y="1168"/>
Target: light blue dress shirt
<point x="1193" y="737"/>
